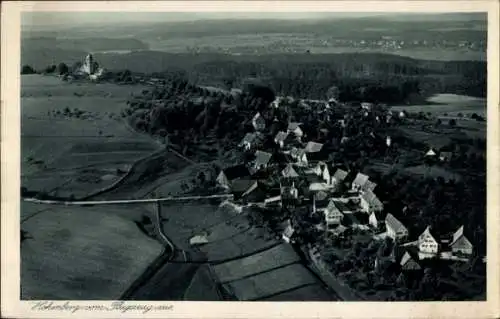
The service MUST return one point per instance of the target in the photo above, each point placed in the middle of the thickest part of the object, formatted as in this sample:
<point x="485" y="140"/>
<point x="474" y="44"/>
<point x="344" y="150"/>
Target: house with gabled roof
<point x="431" y="153"/>
<point x="369" y="202"/>
<point x="395" y="229"/>
<point x="299" y="155"/>
<point x="294" y="128"/>
<point x="359" y="181"/>
<point x="333" y="215"/>
<point x="228" y="175"/>
<point x="427" y="244"/>
<point x="258" y="122"/>
<point x="261" y="160"/>
<point x="313" y="147"/>
<point x="289" y="192"/>
<point x="289" y="172"/>
<point x="280" y="138"/>
<point x="408" y="263"/>
<point x="321" y="169"/>
<point x="375" y="219"/>
<point x="460" y="244"/>
<point x="248" y="141"/>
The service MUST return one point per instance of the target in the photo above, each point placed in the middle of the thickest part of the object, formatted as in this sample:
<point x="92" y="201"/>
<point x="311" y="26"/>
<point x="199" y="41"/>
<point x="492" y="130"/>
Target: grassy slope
<point x="82" y="253"/>
<point x="65" y="144"/>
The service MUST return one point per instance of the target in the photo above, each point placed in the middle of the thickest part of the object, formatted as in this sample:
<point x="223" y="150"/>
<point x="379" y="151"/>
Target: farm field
<point x="183" y="221"/>
<point x="310" y="293"/>
<point x="60" y="143"/>
<point x="235" y="238"/>
<point x="271" y="283"/>
<point x="82" y="253"/>
<point x="261" y="262"/>
<point x="202" y="287"/>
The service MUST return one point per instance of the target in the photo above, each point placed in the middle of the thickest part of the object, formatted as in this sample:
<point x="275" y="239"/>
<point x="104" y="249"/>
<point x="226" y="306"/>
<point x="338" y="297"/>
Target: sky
<point x="53" y="19"/>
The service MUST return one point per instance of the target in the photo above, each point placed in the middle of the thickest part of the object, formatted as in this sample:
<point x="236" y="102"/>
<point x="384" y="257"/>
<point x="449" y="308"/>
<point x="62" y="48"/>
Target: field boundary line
<point x="296" y="262"/>
<point x="124" y="201"/>
<point x="148" y="273"/>
<point x="282" y="291"/>
<point x="130" y="171"/>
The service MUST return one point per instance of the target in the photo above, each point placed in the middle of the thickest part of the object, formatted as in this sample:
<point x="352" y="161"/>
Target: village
<point x="303" y="166"/>
<point x="292" y="174"/>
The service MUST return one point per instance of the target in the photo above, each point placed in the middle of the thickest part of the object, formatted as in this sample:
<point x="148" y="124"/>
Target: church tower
<point x="88" y="64"/>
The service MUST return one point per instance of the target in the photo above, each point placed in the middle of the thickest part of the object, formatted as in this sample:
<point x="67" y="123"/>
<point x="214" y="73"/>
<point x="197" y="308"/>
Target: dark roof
<point x="343" y="206"/>
<point x="237" y="171"/>
<point x="313" y="178"/>
<point x="273" y="192"/>
<point x="317" y="156"/>
<point x="242" y="185"/>
<point x="257" y="195"/>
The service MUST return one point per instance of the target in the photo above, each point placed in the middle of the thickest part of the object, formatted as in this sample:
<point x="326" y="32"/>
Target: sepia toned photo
<point x="302" y="156"/>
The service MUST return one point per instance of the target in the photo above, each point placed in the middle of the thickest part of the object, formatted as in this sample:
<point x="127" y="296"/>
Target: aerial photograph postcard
<point x="272" y="156"/>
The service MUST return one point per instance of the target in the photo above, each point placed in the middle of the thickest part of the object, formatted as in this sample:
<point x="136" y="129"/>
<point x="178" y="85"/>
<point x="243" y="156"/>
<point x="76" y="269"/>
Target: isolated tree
<point x="452" y="123"/>
<point x="27" y="69"/>
<point x="62" y="68"/>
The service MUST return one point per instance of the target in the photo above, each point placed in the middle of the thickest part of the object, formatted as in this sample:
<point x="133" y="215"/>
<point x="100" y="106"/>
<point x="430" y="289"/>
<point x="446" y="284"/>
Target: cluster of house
<point x="408" y="255"/>
<point x="299" y="174"/>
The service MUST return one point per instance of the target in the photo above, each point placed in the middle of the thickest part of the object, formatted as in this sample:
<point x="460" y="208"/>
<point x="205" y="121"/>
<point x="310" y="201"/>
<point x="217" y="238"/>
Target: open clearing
<point x="448" y="103"/>
<point x="82" y="253"/>
<point x="65" y="144"/>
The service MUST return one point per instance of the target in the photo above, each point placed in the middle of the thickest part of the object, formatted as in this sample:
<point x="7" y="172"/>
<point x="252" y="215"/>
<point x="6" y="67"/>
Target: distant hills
<point x="81" y="44"/>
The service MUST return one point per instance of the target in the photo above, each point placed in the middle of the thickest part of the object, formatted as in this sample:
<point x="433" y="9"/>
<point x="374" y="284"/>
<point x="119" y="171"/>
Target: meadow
<point x="452" y="104"/>
<point x="82" y="253"/>
<point x="59" y="148"/>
